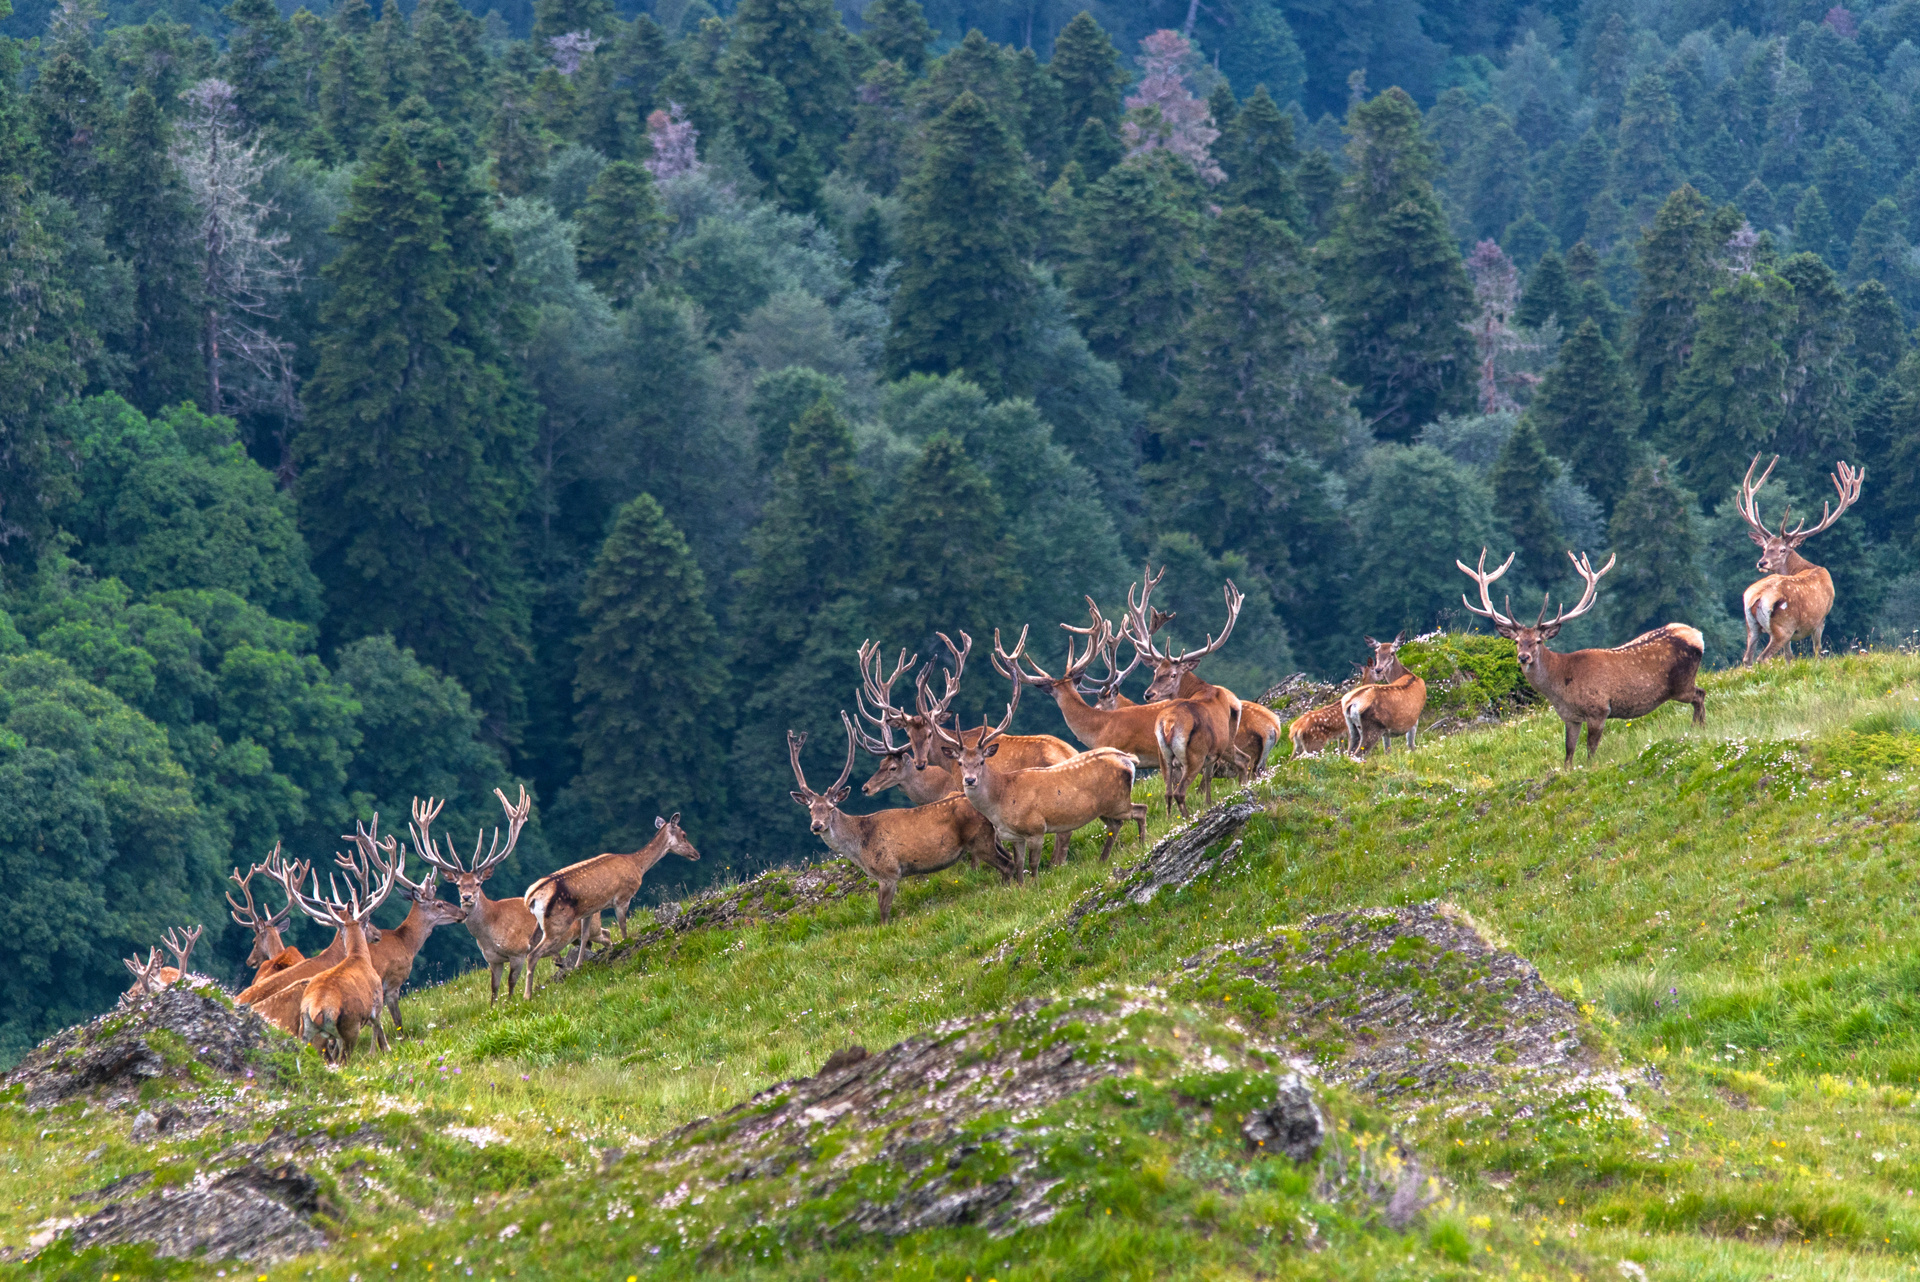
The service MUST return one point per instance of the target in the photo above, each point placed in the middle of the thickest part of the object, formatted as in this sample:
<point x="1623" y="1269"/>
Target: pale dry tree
<point x="245" y="272"/>
<point x="1496" y="288"/>
<point x="1163" y="112"/>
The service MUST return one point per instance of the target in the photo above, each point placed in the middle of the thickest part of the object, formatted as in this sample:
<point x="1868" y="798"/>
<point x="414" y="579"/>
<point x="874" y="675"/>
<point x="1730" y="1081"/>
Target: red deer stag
<point x="571" y="900"/>
<point x="891" y="844"/>
<point x="270" y="953"/>
<point x="897" y="768"/>
<point x="1795" y="597"/>
<point x="1260" y="727"/>
<point x="1024" y="805"/>
<point x="1195" y="733"/>
<point x="1591" y="687"/>
<point x="342" y="1000"/>
<point x="504" y="928"/>
<point x="1389" y="704"/>
<point x="150" y="976"/>
<point x="394" y="952"/>
<point x="1129" y="729"/>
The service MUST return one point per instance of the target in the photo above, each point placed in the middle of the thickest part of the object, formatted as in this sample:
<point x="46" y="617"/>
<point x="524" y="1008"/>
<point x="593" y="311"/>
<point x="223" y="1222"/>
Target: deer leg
<point x="1113" y="832"/>
<point x="1410" y="735"/>
<point x="532" y="964"/>
<point x="1753" y="634"/>
<point x="886" y="899"/>
<point x="393" y="1008"/>
<point x="1573" y="737"/>
<point x="1139" y="817"/>
<point x="1819" y="631"/>
<point x="1698" y="698"/>
<point x="1594" y="730"/>
<point x="580" y="957"/>
<point x="493" y="973"/>
<point x="379" y="1033"/>
<point x="1060" y="847"/>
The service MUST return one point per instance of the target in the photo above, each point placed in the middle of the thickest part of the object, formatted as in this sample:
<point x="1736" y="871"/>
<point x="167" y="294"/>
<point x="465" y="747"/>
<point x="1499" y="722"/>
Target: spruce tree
<point x="964" y="293"/>
<point x="1223" y="106"/>
<point x="1816" y="416"/>
<point x="1882" y="253"/>
<point x="413" y="455"/>
<point x="1643" y="165"/>
<point x="390" y="54"/>
<point x="1655" y="533"/>
<point x="1131" y="274"/>
<point x="39" y="368"/>
<point x="802" y="47"/>
<point x="446" y="43"/>
<point x="1097" y="149"/>
<point x="622" y="229"/>
<point x="944" y="560"/>
<point x="1319" y="183"/>
<point x="1549" y="292"/>
<point x="251" y="65"/>
<point x="1585" y="413"/>
<point x="898" y="31"/>
<point x="650" y="684"/>
<point x="557" y="17"/>
<point x="350" y="105"/>
<point x="1258" y="409"/>
<point x="1879" y="331"/>
<point x="519" y="145"/>
<point x="1258" y="154"/>
<point x="150" y="226"/>
<point x="1520" y="478"/>
<point x="1088" y="68"/>
<point x="1812" y="224"/>
<point x="877" y="148"/>
<point x="1676" y="273"/>
<point x="1583" y="175"/>
<point x="1496" y="172"/>
<point x="778" y="153"/>
<point x="69" y="111"/>
<point x="1729" y="403"/>
<point x="1396" y="286"/>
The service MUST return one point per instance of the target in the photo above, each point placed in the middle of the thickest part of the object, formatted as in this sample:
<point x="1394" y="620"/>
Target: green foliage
<point x="650" y="684"/>
<point x="1467" y="672"/>
<point x="38" y="369"/>
<point x="1520" y="478"/>
<point x="1585" y="412"/>
<point x="963" y="293"/>
<point x="1653" y="532"/>
<point x="1728" y="402"/>
<point x="622" y="228"/>
<point x="174" y="502"/>
<point x="1676" y="276"/>
<point x="898" y="32"/>
<point x="1087" y="68"/>
<point x="1418" y="505"/>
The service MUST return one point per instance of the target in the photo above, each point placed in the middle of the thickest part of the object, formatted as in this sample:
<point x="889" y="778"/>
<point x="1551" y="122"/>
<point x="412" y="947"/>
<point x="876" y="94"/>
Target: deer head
<point x="972" y="757"/>
<point x="1778" y="546"/>
<point x="372" y="872"/>
<point x="266" y="927"/>
<point x="1169" y="668"/>
<point x="1009" y="665"/>
<point x="1531" y="642"/>
<point x="146" y="975"/>
<point x="1103" y="692"/>
<point x="468" y="878"/>
<point x="820" y="805"/>
<point x="677" y="843"/>
<point x="1385" y="665"/>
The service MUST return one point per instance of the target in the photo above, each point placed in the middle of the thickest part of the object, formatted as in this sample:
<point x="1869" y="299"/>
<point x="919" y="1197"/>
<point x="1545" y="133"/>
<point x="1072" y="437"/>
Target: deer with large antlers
<point x="1024" y="805"/>
<point x="891" y="844"/>
<point x="1389" y="704"/>
<point x="1195" y="732"/>
<point x="1127" y="729"/>
<point x="339" y="1002"/>
<point x="563" y="903"/>
<point x="923" y="755"/>
<point x="150" y="976"/>
<point x="270" y="954"/>
<point x="394" y="951"/>
<point x="1260" y="727"/>
<point x="1794" y="599"/>
<point x="1591" y="687"/>
<point x="504" y="928"/>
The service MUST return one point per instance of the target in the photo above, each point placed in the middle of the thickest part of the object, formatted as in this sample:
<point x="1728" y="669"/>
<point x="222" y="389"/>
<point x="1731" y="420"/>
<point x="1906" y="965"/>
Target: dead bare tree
<point x="244" y="269"/>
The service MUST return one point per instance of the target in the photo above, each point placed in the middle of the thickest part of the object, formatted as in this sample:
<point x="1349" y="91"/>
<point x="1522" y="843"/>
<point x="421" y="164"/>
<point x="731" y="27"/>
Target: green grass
<point x="1731" y="905"/>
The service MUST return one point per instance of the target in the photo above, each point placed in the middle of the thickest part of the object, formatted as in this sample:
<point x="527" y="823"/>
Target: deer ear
<point x="675" y="821"/>
<point x="946" y="751"/>
<point x="658" y="823"/>
<point x="1757" y="537"/>
<point x="1511" y="634"/>
<point x="992" y="748"/>
<point x="800" y="797"/>
<point x="838" y="795"/>
<point x="1548" y="631"/>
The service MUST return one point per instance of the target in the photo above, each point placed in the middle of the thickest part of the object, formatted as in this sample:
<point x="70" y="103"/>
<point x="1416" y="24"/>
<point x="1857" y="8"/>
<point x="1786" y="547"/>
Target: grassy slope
<point x="1733" y="903"/>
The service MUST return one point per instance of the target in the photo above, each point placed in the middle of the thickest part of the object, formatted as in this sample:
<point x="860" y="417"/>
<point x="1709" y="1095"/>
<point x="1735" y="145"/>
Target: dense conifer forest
<point x="410" y="402"/>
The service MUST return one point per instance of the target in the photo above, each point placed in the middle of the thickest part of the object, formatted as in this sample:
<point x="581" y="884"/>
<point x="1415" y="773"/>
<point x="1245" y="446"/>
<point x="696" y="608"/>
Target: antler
<point x="1585" y="570"/>
<point x="935" y="710"/>
<point x="1846" y="483"/>
<point x="1008" y="665"/>
<point x="1007" y="720"/>
<point x="1140" y="622"/>
<point x="1749" y="495"/>
<point x="365" y="858"/>
<point x="247" y="914"/>
<point x="425" y="846"/>
<point x="1103" y="688"/>
<point x="146" y="975"/>
<point x="796" y="740"/>
<point x="517" y="813"/>
<point x="1484" y="579"/>
<point x="180" y="944"/>
<point x="880" y="693"/>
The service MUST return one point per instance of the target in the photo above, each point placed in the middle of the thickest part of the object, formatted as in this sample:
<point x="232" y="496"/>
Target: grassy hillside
<point x="1729" y="909"/>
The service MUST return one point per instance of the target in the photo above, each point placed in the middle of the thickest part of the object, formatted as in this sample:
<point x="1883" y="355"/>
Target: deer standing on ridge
<point x="504" y="928"/>
<point x="890" y="844"/>
<point x="270" y="954"/>
<point x="1260" y="726"/>
<point x="565" y="902"/>
<point x="1025" y="805"/>
<point x="1794" y="599"/>
<point x="1390" y="704"/>
<point x="150" y="976"/>
<point x="1591" y="687"/>
<point x="1195" y="732"/>
<point x="394" y="952"/>
<point x="342" y="1000"/>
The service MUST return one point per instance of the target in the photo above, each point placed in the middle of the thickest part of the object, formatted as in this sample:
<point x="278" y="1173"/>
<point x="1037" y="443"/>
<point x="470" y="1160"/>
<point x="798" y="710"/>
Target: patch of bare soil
<point x="1398" y="1000"/>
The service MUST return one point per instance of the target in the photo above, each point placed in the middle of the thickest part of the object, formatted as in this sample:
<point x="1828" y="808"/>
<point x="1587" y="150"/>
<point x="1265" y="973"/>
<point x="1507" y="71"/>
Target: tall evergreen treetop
<point x="1677" y="272"/>
<point x="898" y="32"/>
<point x="622" y="227"/>
<point x="1088" y="68"/>
<point x="1655" y="532"/>
<point x="1520" y="478"/>
<point x="1585" y="412"/>
<point x="1259" y="155"/>
<point x="802" y="46"/>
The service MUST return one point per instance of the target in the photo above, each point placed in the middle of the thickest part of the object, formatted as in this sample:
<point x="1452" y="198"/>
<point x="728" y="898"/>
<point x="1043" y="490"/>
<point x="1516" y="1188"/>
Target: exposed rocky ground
<point x="1398" y="1000"/>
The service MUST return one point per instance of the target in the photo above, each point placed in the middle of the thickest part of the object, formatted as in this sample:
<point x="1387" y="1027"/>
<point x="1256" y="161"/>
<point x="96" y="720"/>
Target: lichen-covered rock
<point x="1175" y="860"/>
<point x="253" y="1213"/>
<point x="168" y="1033"/>
<point x="1292" y="1125"/>
<point x="1395" y="1000"/>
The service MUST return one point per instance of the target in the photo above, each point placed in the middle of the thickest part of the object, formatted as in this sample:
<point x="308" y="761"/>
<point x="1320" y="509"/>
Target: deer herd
<point x="978" y="793"/>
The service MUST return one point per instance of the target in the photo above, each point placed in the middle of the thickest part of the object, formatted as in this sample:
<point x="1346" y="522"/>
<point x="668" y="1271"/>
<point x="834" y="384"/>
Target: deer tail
<point x="538" y="897"/>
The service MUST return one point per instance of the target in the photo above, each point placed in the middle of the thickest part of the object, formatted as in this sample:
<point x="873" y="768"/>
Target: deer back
<point x="1394" y="706"/>
<point x="1089" y="785"/>
<point x="1629" y="680"/>
<point x="307" y="968"/>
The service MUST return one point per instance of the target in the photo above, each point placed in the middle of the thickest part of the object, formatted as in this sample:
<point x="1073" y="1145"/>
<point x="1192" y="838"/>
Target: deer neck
<point x="650" y="854"/>
<point x="356" y="941"/>
<point x="1797" y="564"/>
<point x="1085" y="720"/>
<point x="412" y="932"/>
<point x="269" y="943"/>
<point x="847" y="835"/>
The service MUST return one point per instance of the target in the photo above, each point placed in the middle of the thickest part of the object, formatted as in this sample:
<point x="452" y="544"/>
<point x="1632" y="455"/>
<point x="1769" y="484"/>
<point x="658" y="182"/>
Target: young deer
<point x="270" y="953"/>
<point x="563" y="903"/>
<point x="891" y="844"/>
<point x="1390" y="704"/>
<point x="393" y="953"/>
<point x="504" y="928"/>
<point x="1794" y="599"/>
<point x="1024" y="805"/>
<point x="340" y="1001"/>
<point x="150" y="976"/>
<point x="1591" y="687"/>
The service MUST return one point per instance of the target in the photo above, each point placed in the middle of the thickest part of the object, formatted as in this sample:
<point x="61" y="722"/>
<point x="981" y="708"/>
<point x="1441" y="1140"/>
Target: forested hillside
<point x="405" y="403"/>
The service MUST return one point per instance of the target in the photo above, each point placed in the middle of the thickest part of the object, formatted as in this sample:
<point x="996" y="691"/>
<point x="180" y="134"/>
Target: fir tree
<point x="1496" y="169"/>
<point x="964" y="293"/>
<point x="1097" y="149"/>
<point x="519" y="145"/>
<point x="1655" y="533"/>
<point x="1258" y="408"/>
<point x="557" y="17"/>
<point x="69" y="112"/>
<point x="1549" y="292"/>
<point x="1643" y="165"/>
<point x="622" y="228"/>
<point x="877" y="150"/>
<point x="1258" y="154"/>
<point x="1729" y="402"/>
<point x="650" y="683"/>
<point x="1816" y="414"/>
<point x="1812" y="224"/>
<point x="1585" y="412"/>
<point x="1222" y="106"/>
<point x="252" y="65"/>
<point x="413" y="455"/>
<point x="1881" y="252"/>
<point x="149" y="226"/>
<point x="39" y="368"/>
<point x="350" y="105"/>
<point x="446" y="43"/>
<point x="1879" y="332"/>
<point x="778" y="153"/>
<point x="898" y="31"/>
<point x="1676" y="273"/>
<point x="802" y="47"/>
<point x="944" y="559"/>
<point x="1398" y="291"/>
<point x="1583" y="176"/>
<point x="1319" y="184"/>
<point x="1520" y="478"/>
<point x="1088" y="68"/>
<point x="1132" y="268"/>
<point x="390" y="54"/>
